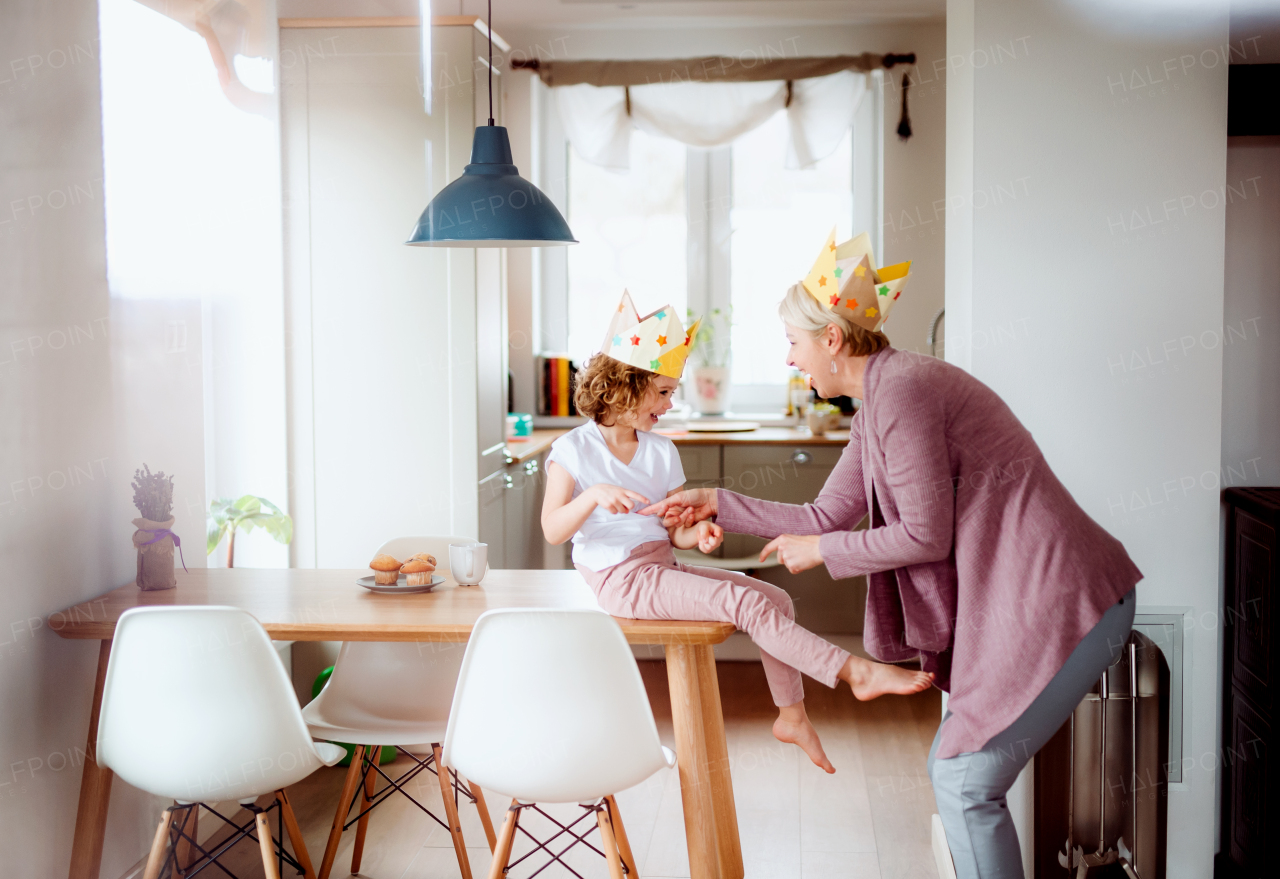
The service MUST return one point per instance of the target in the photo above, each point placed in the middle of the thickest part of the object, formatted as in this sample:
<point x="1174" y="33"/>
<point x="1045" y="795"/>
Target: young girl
<point x="600" y="474"/>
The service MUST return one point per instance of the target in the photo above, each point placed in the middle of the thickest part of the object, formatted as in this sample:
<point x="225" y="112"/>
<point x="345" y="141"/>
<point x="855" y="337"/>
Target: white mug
<point x="468" y="562"/>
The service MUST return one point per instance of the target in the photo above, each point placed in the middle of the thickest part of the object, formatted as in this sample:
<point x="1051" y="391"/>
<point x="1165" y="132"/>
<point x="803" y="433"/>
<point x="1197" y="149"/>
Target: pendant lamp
<point x="490" y="205"/>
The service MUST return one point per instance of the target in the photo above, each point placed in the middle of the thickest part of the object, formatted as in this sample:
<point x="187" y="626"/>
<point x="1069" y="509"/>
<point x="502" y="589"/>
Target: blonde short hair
<point x="800" y="310"/>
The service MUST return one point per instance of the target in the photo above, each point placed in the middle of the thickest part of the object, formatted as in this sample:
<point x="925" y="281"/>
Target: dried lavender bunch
<point x="153" y="494"/>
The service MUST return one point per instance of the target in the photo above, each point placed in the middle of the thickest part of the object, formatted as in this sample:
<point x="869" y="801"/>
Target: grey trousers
<point x="970" y="788"/>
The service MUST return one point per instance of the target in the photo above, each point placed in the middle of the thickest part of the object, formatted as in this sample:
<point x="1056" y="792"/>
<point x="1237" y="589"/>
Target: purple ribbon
<point x="160" y="534"/>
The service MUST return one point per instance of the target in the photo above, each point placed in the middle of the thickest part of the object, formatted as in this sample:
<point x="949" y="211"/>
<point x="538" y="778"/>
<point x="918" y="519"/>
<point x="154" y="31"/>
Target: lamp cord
<point x="490" y="29"/>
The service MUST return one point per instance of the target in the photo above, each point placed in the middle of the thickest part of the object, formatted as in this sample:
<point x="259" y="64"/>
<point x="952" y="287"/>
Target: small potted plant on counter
<point x="154" y="539"/>
<point x="712" y="359"/>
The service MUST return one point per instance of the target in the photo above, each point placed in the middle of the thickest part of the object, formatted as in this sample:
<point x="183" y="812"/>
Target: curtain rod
<point x="707" y="69"/>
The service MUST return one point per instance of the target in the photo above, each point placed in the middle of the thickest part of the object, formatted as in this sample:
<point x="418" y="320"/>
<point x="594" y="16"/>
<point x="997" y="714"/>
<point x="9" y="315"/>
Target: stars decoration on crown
<point x="844" y="280"/>
<point x="657" y="342"/>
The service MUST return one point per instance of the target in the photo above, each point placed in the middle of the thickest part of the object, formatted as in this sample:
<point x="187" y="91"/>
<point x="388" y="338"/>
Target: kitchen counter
<point x="541" y="440"/>
<point x="525" y="448"/>
<point x="788" y="436"/>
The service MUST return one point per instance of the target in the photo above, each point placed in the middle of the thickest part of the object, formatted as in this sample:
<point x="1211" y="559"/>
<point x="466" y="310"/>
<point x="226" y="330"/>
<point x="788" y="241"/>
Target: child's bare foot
<point x="870" y="680"/>
<point x="795" y="728"/>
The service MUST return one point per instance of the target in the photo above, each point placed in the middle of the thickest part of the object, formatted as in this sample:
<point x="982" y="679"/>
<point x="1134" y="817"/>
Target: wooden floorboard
<point x="868" y="821"/>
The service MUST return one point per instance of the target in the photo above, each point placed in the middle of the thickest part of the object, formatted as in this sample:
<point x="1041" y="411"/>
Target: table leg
<point x="728" y="843"/>
<point x="691" y="754"/>
<point x="95" y="789"/>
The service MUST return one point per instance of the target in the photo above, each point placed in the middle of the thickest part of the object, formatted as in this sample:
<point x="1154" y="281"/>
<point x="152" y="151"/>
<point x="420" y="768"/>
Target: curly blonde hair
<point x="803" y="312"/>
<point x="607" y="388"/>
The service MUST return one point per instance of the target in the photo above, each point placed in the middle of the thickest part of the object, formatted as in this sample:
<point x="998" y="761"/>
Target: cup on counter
<point x="822" y="420"/>
<point x="468" y="562"/>
<point x="519" y="425"/>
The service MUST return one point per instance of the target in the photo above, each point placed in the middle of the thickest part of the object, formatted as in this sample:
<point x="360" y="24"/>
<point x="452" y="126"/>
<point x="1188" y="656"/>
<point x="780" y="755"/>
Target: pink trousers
<point x="652" y="585"/>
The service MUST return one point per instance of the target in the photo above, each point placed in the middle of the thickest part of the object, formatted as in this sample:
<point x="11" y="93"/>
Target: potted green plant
<point x="712" y="359"/>
<point x="249" y="512"/>
<point x="154" y="539"/>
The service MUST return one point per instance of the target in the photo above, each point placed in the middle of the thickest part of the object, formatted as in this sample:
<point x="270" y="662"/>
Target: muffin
<point x="386" y="570"/>
<point x="417" y="571"/>
<point x="426" y="557"/>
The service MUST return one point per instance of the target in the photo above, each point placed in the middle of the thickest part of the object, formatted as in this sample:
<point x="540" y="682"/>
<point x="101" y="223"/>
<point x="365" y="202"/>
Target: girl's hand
<point x="684" y="507"/>
<point x="615" y="498"/>
<point x="795" y="553"/>
<point x="710" y="535"/>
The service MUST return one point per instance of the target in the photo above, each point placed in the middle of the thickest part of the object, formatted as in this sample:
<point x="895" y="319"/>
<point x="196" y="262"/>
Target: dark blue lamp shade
<point x="491" y="205"/>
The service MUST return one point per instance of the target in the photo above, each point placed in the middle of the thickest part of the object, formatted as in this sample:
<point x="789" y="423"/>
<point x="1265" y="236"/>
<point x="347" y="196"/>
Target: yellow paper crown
<point x="657" y="342"/>
<point x="844" y="280"/>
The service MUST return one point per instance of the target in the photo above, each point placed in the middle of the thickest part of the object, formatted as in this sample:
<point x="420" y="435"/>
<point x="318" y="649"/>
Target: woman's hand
<point x="795" y="553"/>
<point x="615" y="498"/>
<point x="684" y="508"/>
<point x="710" y="535"/>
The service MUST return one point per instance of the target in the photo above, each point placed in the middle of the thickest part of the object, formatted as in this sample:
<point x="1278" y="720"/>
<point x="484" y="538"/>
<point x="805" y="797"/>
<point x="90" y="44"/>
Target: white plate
<point x="401" y="587"/>
<point x="722" y="426"/>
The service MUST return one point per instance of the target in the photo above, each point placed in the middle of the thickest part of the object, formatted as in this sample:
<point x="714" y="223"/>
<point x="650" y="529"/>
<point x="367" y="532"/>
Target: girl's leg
<point x="794" y="727"/>
<point x="765" y="612"/>
<point x="867" y="679"/>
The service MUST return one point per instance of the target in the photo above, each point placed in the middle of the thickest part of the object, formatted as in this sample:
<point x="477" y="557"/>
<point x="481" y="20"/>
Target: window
<point x="701" y="229"/>
<point x="780" y="219"/>
<point x="632" y="227"/>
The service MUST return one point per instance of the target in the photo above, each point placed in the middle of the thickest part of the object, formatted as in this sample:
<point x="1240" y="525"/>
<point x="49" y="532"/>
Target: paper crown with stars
<point x="657" y="342"/>
<point x="844" y="280"/>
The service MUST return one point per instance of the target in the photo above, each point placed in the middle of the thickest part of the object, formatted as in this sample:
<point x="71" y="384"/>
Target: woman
<point x="978" y="561"/>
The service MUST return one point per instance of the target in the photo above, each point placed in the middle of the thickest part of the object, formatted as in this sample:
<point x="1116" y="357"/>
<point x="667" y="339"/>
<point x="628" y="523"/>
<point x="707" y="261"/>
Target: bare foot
<point x="870" y="680"/>
<point x="801" y="732"/>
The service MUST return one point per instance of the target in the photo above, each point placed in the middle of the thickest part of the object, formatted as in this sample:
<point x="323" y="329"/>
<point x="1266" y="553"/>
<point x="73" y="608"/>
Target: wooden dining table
<point x="299" y="604"/>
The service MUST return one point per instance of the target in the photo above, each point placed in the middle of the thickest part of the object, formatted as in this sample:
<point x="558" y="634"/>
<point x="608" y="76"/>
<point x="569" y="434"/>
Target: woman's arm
<point x="563" y="514"/>
<point x="913" y="432"/>
<point x="840" y="506"/>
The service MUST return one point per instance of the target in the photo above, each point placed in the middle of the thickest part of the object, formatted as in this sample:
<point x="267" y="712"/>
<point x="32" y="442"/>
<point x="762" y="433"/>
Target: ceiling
<point x="614" y="14"/>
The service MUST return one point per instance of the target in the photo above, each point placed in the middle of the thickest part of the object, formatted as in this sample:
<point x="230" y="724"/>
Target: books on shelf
<point x="556" y="377"/>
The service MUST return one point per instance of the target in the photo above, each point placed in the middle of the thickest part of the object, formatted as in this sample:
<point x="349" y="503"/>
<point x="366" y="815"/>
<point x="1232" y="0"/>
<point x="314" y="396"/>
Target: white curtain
<point x="710" y="114"/>
<point x="241" y="36"/>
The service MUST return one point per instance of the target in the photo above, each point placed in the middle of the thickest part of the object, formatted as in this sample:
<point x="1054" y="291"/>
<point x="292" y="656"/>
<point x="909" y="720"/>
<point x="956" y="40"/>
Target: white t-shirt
<point x="606" y="539"/>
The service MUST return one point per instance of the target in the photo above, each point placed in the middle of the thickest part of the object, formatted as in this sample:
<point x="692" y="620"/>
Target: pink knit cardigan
<point x="979" y="560"/>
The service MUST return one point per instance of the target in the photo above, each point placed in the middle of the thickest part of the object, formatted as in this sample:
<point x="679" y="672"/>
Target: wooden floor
<point x="871" y="819"/>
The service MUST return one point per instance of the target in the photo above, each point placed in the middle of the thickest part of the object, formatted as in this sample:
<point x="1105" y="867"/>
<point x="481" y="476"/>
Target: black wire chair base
<point x="393" y="785"/>
<point x="178" y="817"/>
<point x="589" y="813"/>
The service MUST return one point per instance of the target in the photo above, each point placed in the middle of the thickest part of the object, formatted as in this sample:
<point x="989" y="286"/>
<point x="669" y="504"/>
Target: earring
<point x="833" y="366"/>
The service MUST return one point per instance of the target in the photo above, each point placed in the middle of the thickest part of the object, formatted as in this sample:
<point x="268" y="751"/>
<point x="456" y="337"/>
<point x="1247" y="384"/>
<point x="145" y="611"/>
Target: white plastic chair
<point x="567" y="682"/>
<point x="240" y="733"/>
<point x="393" y="694"/>
<point x="403" y="547"/>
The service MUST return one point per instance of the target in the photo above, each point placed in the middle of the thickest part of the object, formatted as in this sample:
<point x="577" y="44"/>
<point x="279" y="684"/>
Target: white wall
<point x="1087" y="281"/>
<point x="1250" y="355"/>
<point x="65" y="459"/>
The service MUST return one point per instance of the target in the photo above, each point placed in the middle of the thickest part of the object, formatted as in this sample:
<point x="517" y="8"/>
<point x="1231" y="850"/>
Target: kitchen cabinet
<point x="788" y="472"/>
<point x="1250" y="700"/>
<point x="511" y="512"/>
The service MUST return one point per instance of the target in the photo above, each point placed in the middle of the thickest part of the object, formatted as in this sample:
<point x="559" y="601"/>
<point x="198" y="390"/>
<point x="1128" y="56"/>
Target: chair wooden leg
<point x="620" y="833"/>
<point x="451" y="812"/>
<point x="268" y="850"/>
<point x="295" y="835"/>
<point x="362" y="826"/>
<point x="502" y="854"/>
<point x="159" y="846"/>
<point x="609" y="844"/>
<point x="348" y="791"/>
<point x="483" y="808"/>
